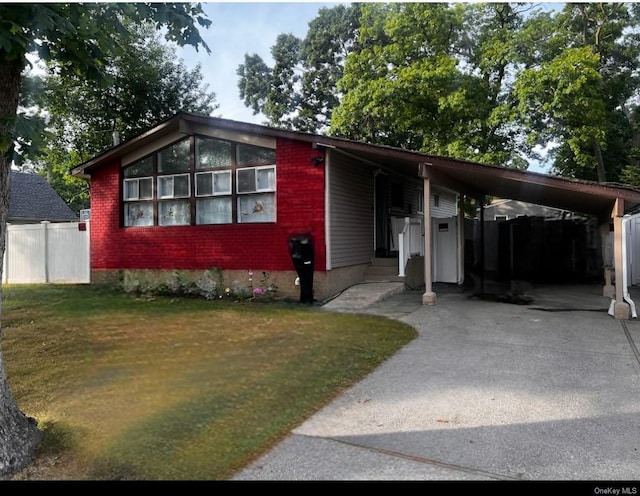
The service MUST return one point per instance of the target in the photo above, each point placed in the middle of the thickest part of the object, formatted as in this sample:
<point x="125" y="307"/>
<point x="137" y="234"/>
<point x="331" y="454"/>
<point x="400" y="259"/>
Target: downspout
<point x="625" y="274"/>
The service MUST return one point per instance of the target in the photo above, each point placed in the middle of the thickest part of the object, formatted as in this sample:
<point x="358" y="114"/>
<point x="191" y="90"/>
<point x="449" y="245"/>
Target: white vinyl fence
<point x="47" y="253"/>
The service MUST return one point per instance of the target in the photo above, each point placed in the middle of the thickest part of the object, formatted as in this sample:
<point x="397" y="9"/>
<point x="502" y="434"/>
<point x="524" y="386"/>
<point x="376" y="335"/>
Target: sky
<point x="239" y="28"/>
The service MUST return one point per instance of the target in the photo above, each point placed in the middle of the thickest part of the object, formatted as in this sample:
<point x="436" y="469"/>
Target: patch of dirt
<point x="50" y="467"/>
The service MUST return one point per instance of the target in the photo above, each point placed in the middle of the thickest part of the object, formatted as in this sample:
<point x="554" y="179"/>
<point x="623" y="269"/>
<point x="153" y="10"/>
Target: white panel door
<point x="445" y="250"/>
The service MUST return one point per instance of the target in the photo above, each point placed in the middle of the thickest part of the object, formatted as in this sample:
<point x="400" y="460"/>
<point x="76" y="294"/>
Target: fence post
<point x="45" y="233"/>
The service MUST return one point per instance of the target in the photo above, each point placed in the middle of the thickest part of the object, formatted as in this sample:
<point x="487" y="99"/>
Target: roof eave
<point x="117" y="151"/>
<point x="182" y="122"/>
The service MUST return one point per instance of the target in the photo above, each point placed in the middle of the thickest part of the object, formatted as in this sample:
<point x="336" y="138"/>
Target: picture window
<point x="200" y="180"/>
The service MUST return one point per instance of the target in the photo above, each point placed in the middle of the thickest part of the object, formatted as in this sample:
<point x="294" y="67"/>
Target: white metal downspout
<point x="625" y="276"/>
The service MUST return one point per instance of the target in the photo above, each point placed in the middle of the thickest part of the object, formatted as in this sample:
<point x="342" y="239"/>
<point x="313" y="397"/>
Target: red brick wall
<point x="300" y="208"/>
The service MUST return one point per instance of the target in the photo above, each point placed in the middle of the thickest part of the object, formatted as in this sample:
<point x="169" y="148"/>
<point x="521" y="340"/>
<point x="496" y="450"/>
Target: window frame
<point x="256" y="169"/>
<point x="136" y="180"/>
<point x="173" y="195"/>
<point x="213" y="173"/>
<point x="193" y="172"/>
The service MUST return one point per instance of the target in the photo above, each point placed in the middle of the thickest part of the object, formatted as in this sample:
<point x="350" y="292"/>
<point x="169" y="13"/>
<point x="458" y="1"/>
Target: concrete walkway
<point x="489" y="391"/>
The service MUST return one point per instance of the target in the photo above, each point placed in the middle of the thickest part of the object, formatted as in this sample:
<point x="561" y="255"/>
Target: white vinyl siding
<point x="448" y="204"/>
<point x="351" y="217"/>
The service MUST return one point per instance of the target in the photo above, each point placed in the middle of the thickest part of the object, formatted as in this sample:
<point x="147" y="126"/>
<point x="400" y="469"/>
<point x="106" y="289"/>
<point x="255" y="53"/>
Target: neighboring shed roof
<point x="512" y="209"/>
<point x="462" y="176"/>
<point x="33" y="200"/>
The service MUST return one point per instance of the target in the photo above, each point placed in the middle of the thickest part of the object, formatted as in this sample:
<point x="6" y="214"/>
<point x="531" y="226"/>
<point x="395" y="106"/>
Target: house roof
<point x="33" y="199"/>
<point x="462" y="176"/>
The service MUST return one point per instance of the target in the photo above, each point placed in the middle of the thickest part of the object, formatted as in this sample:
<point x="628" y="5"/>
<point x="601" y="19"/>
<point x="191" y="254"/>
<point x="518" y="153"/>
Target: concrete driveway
<point x="488" y="391"/>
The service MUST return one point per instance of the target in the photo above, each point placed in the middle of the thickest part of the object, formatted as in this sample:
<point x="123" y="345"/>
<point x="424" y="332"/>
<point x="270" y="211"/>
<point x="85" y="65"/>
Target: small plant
<point x="265" y="287"/>
<point x="265" y="283"/>
<point x="238" y="291"/>
<point x="209" y="285"/>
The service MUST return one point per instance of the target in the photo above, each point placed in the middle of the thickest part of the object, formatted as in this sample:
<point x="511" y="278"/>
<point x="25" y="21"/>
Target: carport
<point x="607" y="202"/>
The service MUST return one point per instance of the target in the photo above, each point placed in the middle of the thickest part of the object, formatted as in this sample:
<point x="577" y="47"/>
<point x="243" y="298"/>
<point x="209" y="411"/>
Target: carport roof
<point x="464" y="177"/>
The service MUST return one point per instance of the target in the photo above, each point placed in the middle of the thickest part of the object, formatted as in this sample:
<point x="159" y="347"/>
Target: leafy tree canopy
<point x="580" y="88"/>
<point x="81" y="38"/>
<point x="80" y="118"/>
<point x="489" y="82"/>
<point x="300" y="90"/>
<point x="432" y="77"/>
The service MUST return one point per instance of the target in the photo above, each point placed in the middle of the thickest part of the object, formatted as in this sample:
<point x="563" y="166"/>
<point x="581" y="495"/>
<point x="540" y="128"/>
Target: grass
<point x="135" y="388"/>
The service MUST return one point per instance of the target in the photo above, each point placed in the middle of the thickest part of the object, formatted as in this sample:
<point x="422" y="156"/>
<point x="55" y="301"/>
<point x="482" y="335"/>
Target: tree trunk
<point x="597" y="151"/>
<point x="19" y="434"/>
<point x="633" y="124"/>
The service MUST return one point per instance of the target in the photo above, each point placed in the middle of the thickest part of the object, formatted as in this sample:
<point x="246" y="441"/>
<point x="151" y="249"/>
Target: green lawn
<point x="139" y="388"/>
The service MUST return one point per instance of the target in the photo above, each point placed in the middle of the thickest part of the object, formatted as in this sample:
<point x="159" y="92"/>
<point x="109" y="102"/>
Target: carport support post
<point x="621" y="309"/>
<point x="429" y="297"/>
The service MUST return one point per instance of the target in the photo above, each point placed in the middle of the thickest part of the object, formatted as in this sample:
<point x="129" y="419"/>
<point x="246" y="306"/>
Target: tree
<point x="433" y="77"/>
<point x="579" y="90"/>
<point x="147" y="84"/>
<point x="79" y="37"/>
<point x="330" y="39"/>
<point x="489" y="82"/>
<point x="300" y="90"/>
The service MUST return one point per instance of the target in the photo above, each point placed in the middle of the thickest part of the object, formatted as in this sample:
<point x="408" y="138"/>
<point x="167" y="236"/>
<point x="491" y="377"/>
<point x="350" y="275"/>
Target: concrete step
<point x="383" y="270"/>
<point x="385" y="262"/>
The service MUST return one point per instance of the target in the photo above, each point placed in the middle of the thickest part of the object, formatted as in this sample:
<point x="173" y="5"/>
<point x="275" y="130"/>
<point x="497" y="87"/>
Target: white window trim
<point x="214" y="192"/>
<point x="135" y="180"/>
<point x="257" y="190"/>
<point x="173" y="195"/>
